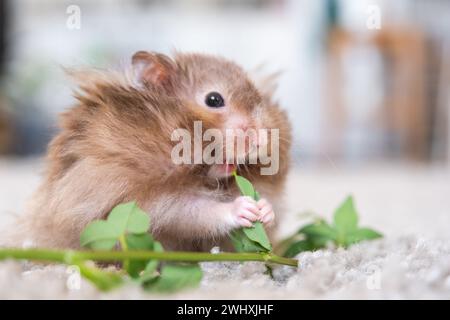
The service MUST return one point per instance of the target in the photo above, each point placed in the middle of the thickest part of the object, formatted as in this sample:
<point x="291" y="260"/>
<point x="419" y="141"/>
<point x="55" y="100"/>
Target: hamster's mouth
<point x="221" y="170"/>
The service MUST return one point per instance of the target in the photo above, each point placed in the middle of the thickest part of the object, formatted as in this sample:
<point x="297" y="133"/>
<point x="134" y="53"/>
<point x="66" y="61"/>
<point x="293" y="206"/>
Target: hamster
<point x="115" y="146"/>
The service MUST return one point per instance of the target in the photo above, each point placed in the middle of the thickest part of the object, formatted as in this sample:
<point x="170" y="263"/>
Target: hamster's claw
<point x="245" y="211"/>
<point x="267" y="215"/>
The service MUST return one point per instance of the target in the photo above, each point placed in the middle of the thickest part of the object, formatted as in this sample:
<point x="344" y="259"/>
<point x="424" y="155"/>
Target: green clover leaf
<point x="251" y="239"/>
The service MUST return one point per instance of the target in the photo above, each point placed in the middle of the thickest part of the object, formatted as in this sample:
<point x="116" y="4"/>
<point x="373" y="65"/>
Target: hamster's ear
<point x="153" y="68"/>
<point x="266" y="83"/>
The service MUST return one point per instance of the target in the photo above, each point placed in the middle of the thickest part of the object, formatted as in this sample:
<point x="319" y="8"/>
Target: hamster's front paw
<point x="244" y="211"/>
<point x="267" y="215"/>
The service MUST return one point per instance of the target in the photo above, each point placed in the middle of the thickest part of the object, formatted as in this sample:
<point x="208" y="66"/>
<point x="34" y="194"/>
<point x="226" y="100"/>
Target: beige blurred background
<point x="365" y="83"/>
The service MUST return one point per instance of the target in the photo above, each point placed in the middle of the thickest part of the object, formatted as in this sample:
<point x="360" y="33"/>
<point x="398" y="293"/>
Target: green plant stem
<point x="124" y="246"/>
<point x="70" y="256"/>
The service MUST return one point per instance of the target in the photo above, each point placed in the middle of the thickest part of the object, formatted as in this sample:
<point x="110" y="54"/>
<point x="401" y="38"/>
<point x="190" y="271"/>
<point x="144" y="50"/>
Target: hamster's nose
<point x="237" y="122"/>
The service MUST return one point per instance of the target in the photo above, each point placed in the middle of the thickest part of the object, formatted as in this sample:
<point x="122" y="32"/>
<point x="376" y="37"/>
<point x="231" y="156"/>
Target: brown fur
<point x="114" y="146"/>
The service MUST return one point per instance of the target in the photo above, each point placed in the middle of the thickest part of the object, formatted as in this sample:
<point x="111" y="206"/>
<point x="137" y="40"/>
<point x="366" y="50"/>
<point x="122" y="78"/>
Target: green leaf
<point x="237" y="240"/>
<point x="99" y="235"/>
<point x="103" y="280"/>
<point x="367" y="234"/>
<point x="297" y="247"/>
<point x="150" y="271"/>
<point x="128" y="217"/>
<point x="345" y="232"/>
<point x="316" y="236"/>
<point x="361" y="235"/>
<point x="346" y="217"/>
<point x="124" y="218"/>
<point x="318" y="242"/>
<point x="138" y="242"/>
<point x="242" y="243"/>
<point x="175" y="277"/>
<point x="139" y="222"/>
<point x="252" y="239"/>
<point x="258" y="235"/>
<point x="319" y="230"/>
<point x="245" y="186"/>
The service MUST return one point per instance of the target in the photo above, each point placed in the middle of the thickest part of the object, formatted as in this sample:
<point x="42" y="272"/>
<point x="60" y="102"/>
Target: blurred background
<point x="365" y="83"/>
<point x="361" y="80"/>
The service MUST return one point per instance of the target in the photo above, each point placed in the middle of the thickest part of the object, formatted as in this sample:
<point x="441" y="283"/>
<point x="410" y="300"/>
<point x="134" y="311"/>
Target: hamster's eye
<point x="214" y="100"/>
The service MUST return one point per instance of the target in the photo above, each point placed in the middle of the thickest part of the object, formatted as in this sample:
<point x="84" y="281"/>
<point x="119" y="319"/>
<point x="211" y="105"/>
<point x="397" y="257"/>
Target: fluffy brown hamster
<point x="115" y="146"/>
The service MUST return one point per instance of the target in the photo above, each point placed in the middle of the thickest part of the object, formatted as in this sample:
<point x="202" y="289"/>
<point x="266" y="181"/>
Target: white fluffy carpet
<point x="411" y="206"/>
